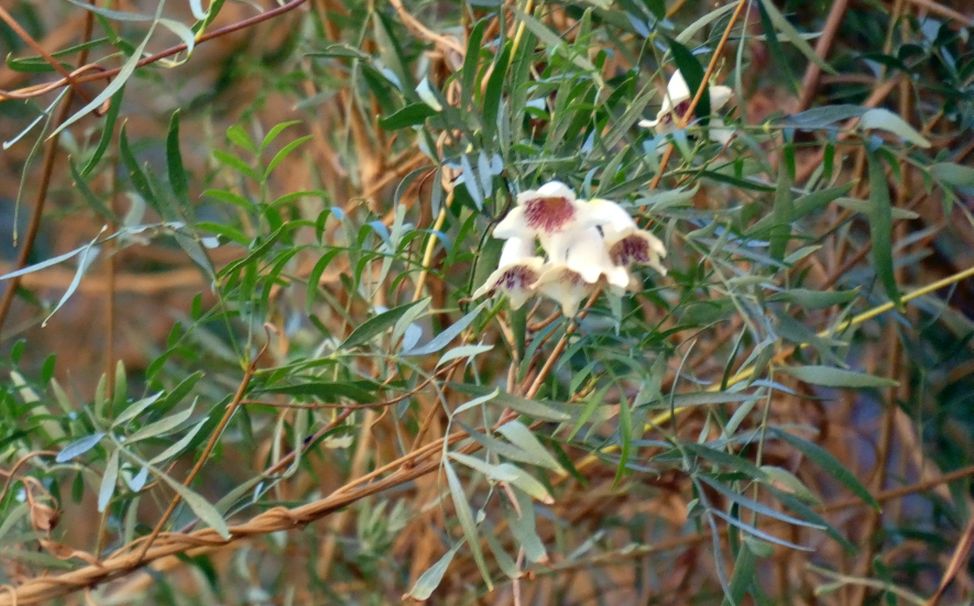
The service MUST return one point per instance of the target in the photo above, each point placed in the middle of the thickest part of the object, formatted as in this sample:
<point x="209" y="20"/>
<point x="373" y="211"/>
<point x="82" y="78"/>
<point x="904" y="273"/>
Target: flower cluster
<point x="677" y="101"/>
<point x="583" y="240"/>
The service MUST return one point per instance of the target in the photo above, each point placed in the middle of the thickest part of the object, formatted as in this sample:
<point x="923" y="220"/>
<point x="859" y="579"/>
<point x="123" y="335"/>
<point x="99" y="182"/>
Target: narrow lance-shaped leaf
<point x="881" y="227"/>
<point x="200" y="506"/>
<point x="88" y="256"/>
<point x="693" y="74"/>
<point x="465" y="516"/>
<point x="119" y="80"/>
<point x="783" y="209"/>
<point x="443" y="339"/>
<point x="427" y="582"/>
<point x="79" y="447"/>
<point x="376" y="325"/>
<point x="830" y="464"/>
<point x="836" y="377"/>
<point x="108" y="481"/>
<point x="174" y="161"/>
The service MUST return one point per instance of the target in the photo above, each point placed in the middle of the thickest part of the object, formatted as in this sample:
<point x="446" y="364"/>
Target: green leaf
<point x="116" y="84"/>
<point x="548" y="411"/>
<point x="953" y="174"/>
<point x="136" y="408"/>
<point x="522" y="523"/>
<point x="471" y="62"/>
<point x="200" y="506"/>
<point x="815" y="299"/>
<point x="88" y="255"/>
<point x="496" y="473"/>
<point x="836" y="377"/>
<point x="181" y="444"/>
<point x="756" y="506"/>
<point x="501" y="448"/>
<point x="881" y="227"/>
<point x="884" y="119"/>
<point x="107" y="131"/>
<point x="79" y="447"/>
<point x="790" y="483"/>
<point x="742" y="578"/>
<point x="376" y="325"/>
<point x="410" y="115"/>
<point x="443" y="339"/>
<point x="782" y="213"/>
<point x="463" y="351"/>
<point x="693" y="73"/>
<point x="830" y="464"/>
<point x="495" y="88"/>
<point x="465" y="517"/>
<point x="283" y="153"/>
<point x="823" y="116"/>
<point x="757" y="532"/>
<point x="274" y="133"/>
<point x="136" y="175"/>
<point x="802" y="206"/>
<point x="522" y="437"/>
<point x="108" y="481"/>
<point x="94" y="201"/>
<point x="427" y="582"/>
<point x="174" y="161"/>
<point x="325" y="390"/>
<point x="162" y="426"/>
<point x="38" y="64"/>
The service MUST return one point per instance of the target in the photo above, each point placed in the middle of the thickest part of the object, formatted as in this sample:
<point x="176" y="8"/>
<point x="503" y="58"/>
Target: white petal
<point x="677" y="92"/>
<point x="551" y="189"/>
<point x="608" y="215"/>
<point x="588" y="256"/>
<point x="719" y="96"/>
<point x="556" y="245"/>
<point x="513" y="225"/>
<point x="564" y="286"/>
<point x="516" y="249"/>
<point x="516" y="280"/>
<point x="720" y="133"/>
<point x="635" y="245"/>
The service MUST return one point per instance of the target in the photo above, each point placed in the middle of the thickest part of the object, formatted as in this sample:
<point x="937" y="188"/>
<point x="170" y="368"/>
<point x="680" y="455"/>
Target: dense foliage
<point x="247" y="360"/>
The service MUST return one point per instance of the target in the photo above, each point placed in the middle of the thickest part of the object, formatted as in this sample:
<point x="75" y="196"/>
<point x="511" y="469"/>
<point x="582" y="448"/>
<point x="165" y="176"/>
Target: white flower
<point x="625" y="243"/>
<point x="565" y="286"/>
<point x="516" y="273"/>
<point x="541" y="213"/>
<point x="585" y="253"/>
<point x="677" y="101"/>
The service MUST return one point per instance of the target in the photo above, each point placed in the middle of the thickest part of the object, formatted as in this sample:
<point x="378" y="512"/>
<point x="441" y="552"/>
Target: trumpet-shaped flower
<point x="677" y="101"/>
<point x="625" y="243"/>
<point x="585" y="253"/>
<point x="568" y="288"/>
<point x="516" y="272"/>
<point x="551" y="209"/>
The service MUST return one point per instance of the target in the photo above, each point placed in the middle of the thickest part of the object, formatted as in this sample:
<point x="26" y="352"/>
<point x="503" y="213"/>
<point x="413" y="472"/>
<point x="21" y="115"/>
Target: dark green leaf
<point x="411" y="115"/>
<point x="881" y="227"/>
<point x="830" y="464"/>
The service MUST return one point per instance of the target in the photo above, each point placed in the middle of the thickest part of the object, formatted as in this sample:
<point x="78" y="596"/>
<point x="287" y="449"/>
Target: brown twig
<point x="210" y="444"/>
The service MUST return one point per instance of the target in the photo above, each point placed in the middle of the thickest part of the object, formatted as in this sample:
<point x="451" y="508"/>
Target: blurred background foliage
<point x="242" y="364"/>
